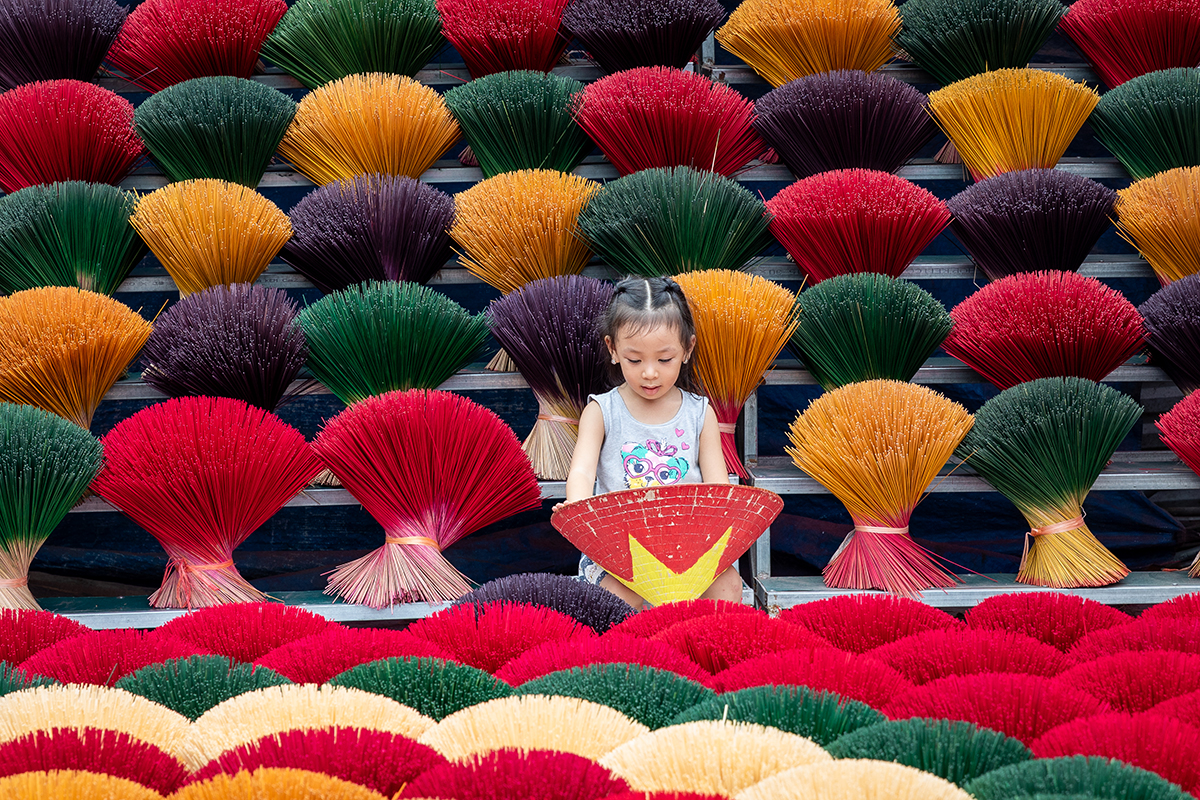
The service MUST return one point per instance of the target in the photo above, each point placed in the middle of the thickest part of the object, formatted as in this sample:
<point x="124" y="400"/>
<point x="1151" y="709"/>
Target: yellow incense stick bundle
<point x="1160" y="216"/>
<point x="521" y="226"/>
<point x="788" y="39"/>
<point x="1012" y="119"/>
<point x="275" y="783"/>
<point x="368" y="124"/>
<point x="64" y="348"/>
<point x="854" y="779"/>
<point x="742" y="322"/>
<point x="69" y="784"/>
<point x="877" y="445"/>
<point x="211" y="233"/>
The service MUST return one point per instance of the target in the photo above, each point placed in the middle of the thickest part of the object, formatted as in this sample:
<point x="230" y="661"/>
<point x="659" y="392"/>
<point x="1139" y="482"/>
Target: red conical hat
<point x="668" y="543"/>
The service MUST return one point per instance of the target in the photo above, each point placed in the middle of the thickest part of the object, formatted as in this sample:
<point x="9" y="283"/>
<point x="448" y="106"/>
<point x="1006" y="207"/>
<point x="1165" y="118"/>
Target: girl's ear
<point x="608" y="342"/>
<point x="691" y="345"/>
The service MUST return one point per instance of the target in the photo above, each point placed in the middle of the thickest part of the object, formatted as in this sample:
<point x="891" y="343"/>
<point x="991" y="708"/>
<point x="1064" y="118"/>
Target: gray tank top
<point x="635" y="454"/>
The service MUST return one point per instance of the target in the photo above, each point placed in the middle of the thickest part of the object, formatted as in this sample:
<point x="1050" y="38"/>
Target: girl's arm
<point x="581" y="480"/>
<point x="712" y="460"/>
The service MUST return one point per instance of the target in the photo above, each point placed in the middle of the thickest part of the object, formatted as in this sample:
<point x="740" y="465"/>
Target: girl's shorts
<point x="590" y="571"/>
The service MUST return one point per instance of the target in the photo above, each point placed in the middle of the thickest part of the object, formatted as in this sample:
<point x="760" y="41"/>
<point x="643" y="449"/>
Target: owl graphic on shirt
<point x="652" y="464"/>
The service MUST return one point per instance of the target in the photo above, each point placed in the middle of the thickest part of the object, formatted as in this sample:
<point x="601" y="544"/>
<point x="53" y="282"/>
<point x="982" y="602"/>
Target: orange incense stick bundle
<point x="877" y="445"/>
<point x="742" y="322"/>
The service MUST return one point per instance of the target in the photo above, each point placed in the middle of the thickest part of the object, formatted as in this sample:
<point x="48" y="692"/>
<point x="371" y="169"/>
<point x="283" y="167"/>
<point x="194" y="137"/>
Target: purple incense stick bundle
<point x="623" y="34"/>
<point x="42" y="40"/>
<point x="1172" y="316"/>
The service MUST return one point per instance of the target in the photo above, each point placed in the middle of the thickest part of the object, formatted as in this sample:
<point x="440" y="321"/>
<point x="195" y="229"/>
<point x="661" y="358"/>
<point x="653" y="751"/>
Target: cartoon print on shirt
<point x="652" y="464"/>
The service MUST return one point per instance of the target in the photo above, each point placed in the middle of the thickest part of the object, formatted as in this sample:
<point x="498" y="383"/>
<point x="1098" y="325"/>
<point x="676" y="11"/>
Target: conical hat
<point x="668" y="543"/>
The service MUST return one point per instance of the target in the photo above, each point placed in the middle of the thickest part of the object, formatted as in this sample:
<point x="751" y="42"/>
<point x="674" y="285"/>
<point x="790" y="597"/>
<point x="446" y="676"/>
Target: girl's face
<point x="650" y="360"/>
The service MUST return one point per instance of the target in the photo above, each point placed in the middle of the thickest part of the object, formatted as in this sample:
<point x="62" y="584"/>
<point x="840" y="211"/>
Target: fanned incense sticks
<point x="364" y="124"/>
<point x="842" y="120"/>
<point x="431" y="686"/>
<point x="1172" y="317"/>
<point x="667" y="221"/>
<point x="861" y="327"/>
<point x="818" y="715"/>
<point x="784" y="40"/>
<point x="210" y="233"/>
<point x="46" y="464"/>
<point x="521" y="226"/>
<point x="955" y="39"/>
<point x="239" y="341"/>
<point x="877" y="446"/>
<point x="1044" y="324"/>
<point x="1042" y="444"/>
<point x="653" y="697"/>
<point x="43" y="40"/>
<point x="371" y="227"/>
<point x="1160" y="216"/>
<point x="379" y="337"/>
<point x="219" y="127"/>
<point x="518" y="772"/>
<point x="67" y="234"/>
<point x="65" y="348"/>
<point x="661" y="117"/>
<point x="192" y="686"/>
<point x="500" y="35"/>
<point x="431" y="467"/>
<point x="855" y="221"/>
<point x="548" y="328"/>
<point x="1031" y="220"/>
<point x="642" y="33"/>
<point x="854" y="778"/>
<point x="1150" y="123"/>
<point x="65" y="130"/>
<point x="68" y="784"/>
<point x="201" y="474"/>
<point x="164" y="42"/>
<point x="520" y="120"/>
<point x="1126" y="38"/>
<point x="579" y="600"/>
<point x="318" y="41"/>
<point x="1012" y="119"/>
<point x="97" y="751"/>
<point x="742" y="322"/>
<point x="1180" y="431"/>
<point x="275" y="783"/>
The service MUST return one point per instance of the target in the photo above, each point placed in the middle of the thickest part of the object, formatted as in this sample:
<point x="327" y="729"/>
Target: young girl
<point x="649" y="431"/>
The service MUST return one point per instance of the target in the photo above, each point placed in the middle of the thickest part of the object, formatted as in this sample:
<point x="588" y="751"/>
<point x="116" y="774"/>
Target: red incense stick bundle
<point x="855" y="220"/>
<point x="201" y="474"/>
<point x="663" y="117"/>
<point x="1127" y="38"/>
<point x="1180" y="431"/>
<point x="1042" y="325"/>
<point x="501" y="35"/>
<point x="431" y="467"/>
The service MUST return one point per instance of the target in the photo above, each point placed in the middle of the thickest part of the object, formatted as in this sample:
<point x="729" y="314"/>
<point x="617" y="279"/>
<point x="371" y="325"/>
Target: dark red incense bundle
<point x="642" y="33"/>
<point x="857" y="677"/>
<point x="104" y="657"/>
<point x="104" y="751"/>
<point x="1126" y="38"/>
<point x="611" y="648"/>
<point x="165" y="42"/>
<point x="1057" y="619"/>
<point x="661" y="117"/>
<point x="1030" y="220"/>
<point x="201" y="474"/>
<point x="855" y="220"/>
<point x="1172" y="317"/>
<point x="378" y="760"/>
<point x="238" y="341"/>
<point x="509" y="773"/>
<point x="1164" y="746"/>
<point x="1185" y="708"/>
<point x="65" y="130"/>
<point x="245" y="631"/>
<point x="431" y="468"/>
<point x="501" y="35"/>
<point x="659" y="618"/>
<point x="1021" y="706"/>
<point x="24" y="632"/>
<point x="42" y="40"/>
<point x="925" y="657"/>
<point x="581" y="601"/>
<point x="1180" y="635"/>
<point x="718" y="642"/>
<point x="844" y="119"/>
<point x="323" y="656"/>
<point x="370" y="227"/>
<point x="859" y="623"/>
<point x="490" y="635"/>
<point x="1044" y="324"/>
<point x="1136" y="681"/>
<point x="1183" y="607"/>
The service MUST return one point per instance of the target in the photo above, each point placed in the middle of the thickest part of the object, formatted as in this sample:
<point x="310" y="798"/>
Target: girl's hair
<point x="643" y="304"/>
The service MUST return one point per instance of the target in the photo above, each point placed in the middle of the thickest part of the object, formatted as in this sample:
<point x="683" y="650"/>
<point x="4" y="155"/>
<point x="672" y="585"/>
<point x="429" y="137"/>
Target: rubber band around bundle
<point x="556" y="418"/>
<point x="14" y="583"/>
<point x="425" y="540"/>
<point x="727" y="427"/>
<point x="1047" y="530"/>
